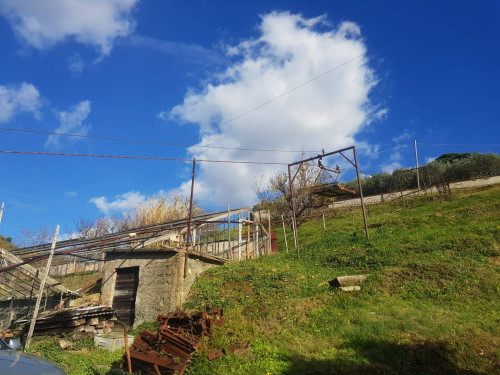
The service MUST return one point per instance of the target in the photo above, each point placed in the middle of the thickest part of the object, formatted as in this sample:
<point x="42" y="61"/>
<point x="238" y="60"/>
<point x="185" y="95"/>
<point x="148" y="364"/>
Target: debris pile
<point x="91" y="320"/>
<point x="177" y="340"/>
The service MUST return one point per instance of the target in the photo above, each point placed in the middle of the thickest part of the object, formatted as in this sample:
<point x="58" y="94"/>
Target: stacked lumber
<point x="91" y="320"/>
<point x="178" y="338"/>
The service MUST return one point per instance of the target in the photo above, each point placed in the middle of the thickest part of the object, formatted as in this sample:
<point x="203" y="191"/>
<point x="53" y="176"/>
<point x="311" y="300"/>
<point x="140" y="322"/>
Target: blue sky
<point x="180" y="73"/>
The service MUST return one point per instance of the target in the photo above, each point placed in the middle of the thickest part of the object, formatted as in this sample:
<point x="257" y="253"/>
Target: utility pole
<point x="416" y="163"/>
<point x="1" y="212"/>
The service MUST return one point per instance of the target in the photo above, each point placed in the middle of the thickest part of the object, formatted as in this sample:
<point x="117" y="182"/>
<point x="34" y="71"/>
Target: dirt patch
<point x="495" y="260"/>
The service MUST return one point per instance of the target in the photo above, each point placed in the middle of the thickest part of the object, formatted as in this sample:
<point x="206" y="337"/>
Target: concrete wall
<point x="434" y="190"/>
<point x="162" y="288"/>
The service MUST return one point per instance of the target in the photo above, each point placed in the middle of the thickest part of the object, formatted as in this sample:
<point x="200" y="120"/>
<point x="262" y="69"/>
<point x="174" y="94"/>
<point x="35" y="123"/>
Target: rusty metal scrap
<point x="177" y="340"/>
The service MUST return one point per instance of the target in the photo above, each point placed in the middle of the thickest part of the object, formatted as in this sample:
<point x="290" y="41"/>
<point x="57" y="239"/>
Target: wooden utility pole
<point x="40" y="292"/>
<point x="188" y="233"/>
<point x="416" y="163"/>
<point x="284" y="232"/>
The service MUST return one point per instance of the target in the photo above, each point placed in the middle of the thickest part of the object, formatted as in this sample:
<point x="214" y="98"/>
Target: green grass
<point x="81" y="359"/>
<point x="430" y="305"/>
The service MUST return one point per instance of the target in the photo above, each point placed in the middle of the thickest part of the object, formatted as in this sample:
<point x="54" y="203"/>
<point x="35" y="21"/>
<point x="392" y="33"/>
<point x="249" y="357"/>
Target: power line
<point x="138" y="157"/>
<point x="291" y="90"/>
<point x="458" y="144"/>
<point x="147" y="141"/>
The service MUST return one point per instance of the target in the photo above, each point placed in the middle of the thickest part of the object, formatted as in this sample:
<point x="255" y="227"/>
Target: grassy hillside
<point x="431" y="304"/>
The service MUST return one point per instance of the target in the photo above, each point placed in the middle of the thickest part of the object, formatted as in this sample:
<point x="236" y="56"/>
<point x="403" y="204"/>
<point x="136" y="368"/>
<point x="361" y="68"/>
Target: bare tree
<point x="276" y="195"/>
<point x="34" y="237"/>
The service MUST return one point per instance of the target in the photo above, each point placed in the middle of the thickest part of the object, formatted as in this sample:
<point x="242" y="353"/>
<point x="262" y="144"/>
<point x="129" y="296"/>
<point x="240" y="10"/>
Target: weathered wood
<point x="284" y="232"/>
<point x="127" y="350"/>
<point x="42" y="285"/>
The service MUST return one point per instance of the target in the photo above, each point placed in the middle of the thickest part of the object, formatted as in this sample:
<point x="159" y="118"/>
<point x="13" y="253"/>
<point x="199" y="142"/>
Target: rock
<point x="350" y="288"/>
<point x="346" y="281"/>
<point x="64" y="344"/>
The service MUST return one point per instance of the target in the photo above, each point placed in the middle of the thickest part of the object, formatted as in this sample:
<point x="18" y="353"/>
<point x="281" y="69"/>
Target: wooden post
<point x="294" y="230"/>
<point x="248" y="238"/>
<point x="257" y="240"/>
<point x="269" y="229"/>
<point x="324" y="225"/>
<point x="416" y="164"/>
<point x="284" y="232"/>
<point x="230" y="255"/>
<point x="42" y="285"/>
<point x="127" y="350"/>
<point x="188" y="234"/>
<point x="240" y="227"/>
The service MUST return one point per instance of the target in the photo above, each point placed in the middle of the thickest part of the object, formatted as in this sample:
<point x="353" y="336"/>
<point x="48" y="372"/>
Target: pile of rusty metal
<point x="94" y="319"/>
<point x="178" y="338"/>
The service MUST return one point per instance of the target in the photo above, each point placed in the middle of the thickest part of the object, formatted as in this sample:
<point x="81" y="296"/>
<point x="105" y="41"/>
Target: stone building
<point x="147" y="282"/>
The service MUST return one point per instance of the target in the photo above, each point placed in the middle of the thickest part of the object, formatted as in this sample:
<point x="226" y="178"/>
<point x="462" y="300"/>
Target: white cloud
<point x="71" y="194"/>
<point x="326" y="113"/>
<point x="15" y="99"/>
<point x="42" y="24"/>
<point x="71" y="122"/>
<point x="76" y="65"/>
<point x="162" y="115"/>
<point x="122" y="202"/>
<point x="430" y="159"/>
<point x="193" y="53"/>
<point x="403" y="137"/>
<point x="389" y="168"/>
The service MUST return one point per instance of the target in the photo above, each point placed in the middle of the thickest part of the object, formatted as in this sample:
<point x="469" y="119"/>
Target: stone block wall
<point x="162" y="287"/>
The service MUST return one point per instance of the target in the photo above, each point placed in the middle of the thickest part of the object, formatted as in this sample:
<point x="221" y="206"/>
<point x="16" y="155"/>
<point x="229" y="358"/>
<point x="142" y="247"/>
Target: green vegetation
<point x="81" y="359"/>
<point x="429" y="306"/>
<point x="446" y="168"/>
<point x="6" y="243"/>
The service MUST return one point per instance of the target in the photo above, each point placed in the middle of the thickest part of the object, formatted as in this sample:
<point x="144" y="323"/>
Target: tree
<point x="276" y="196"/>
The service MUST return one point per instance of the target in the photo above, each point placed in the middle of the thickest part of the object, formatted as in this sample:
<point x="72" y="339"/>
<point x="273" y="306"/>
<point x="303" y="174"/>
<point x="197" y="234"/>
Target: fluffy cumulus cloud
<point x="121" y="202"/>
<point x="70" y="122"/>
<point x="19" y="98"/>
<point x="42" y="24"/>
<point x="328" y="112"/>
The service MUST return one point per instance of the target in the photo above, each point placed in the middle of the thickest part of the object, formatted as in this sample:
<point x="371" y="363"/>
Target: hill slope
<point x="430" y="304"/>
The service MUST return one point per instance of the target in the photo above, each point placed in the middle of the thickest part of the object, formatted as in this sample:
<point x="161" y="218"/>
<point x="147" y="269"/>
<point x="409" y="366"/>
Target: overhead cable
<point x="138" y="157"/>
<point x="147" y="141"/>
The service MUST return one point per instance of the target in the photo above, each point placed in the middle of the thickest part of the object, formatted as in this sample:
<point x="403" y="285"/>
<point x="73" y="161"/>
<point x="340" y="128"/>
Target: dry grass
<point x="159" y="209"/>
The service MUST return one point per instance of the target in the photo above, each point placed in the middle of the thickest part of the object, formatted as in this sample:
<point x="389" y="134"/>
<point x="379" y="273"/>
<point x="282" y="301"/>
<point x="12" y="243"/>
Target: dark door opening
<point x="127" y="280"/>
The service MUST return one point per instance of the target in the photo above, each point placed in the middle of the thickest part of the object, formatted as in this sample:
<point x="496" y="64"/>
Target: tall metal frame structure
<point x="292" y="179"/>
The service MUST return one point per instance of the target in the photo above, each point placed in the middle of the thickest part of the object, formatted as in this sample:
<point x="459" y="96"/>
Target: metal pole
<point x="416" y="163"/>
<point x="1" y="212"/>
<point x="284" y="232"/>
<point x="188" y="234"/>
<point x="42" y="285"/>
<point x="324" y="225"/>
<point x="360" y="191"/>
<point x="294" y="218"/>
